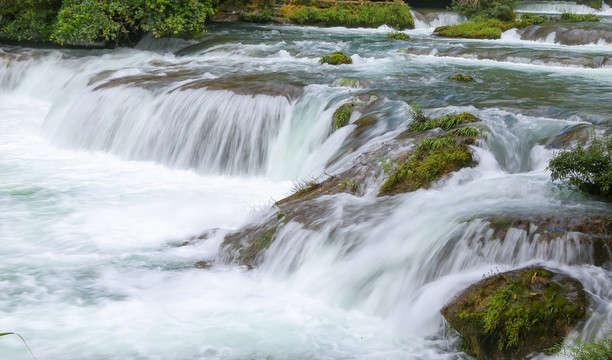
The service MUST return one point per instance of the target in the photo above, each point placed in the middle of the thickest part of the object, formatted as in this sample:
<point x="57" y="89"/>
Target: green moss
<point x="479" y="29"/>
<point x="460" y="77"/>
<point x="398" y="36"/>
<point x="445" y="122"/>
<point x="337" y="58"/>
<point x="569" y="17"/>
<point x="432" y="159"/>
<point x="354" y="83"/>
<point x="396" y="15"/>
<point x="350" y="185"/>
<point x="513" y="311"/>
<point x="342" y="115"/>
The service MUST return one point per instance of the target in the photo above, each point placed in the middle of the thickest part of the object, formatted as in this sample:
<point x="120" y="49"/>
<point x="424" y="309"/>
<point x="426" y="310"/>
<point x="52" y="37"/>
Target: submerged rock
<point x="513" y="314"/>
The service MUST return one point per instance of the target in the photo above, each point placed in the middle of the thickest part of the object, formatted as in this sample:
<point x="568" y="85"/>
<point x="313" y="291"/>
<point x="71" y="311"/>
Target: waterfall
<point x="558" y="7"/>
<point x="429" y="20"/>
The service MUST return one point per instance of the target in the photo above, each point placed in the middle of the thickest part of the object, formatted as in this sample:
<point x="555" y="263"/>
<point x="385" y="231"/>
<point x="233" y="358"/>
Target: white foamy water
<point x="110" y="160"/>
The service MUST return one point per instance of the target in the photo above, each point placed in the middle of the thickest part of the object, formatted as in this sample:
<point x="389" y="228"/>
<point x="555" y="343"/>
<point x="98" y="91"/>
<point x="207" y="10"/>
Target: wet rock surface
<point x="514" y="314"/>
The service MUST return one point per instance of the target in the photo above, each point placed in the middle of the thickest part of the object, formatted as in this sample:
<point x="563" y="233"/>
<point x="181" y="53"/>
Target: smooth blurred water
<point x="110" y="160"/>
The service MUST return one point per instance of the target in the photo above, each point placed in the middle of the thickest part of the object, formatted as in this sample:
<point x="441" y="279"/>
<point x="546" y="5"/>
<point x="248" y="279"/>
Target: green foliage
<point x="513" y="309"/>
<point x="118" y="21"/>
<point x="28" y="19"/>
<point x="486" y="9"/>
<point x="416" y="113"/>
<point x="350" y="185"/>
<point x="586" y="168"/>
<point x="460" y="77"/>
<point x="531" y="19"/>
<point x="337" y="58"/>
<point x="396" y="35"/>
<point x="301" y="187"/>
<point x="595" y="4"/>
<point x="22" y="339"/>
<point x="263" y="17"/>
<point x="468" y="131"/>
<point x="353" y="83"/>
<point x="445" y="122"/>
<point x="569" y="17"/>
<point x="432" y="159"/>
<point x="362" y="15"/>
<point x="342" y="115"/>
<point x="476" y="29"/>
<point x="590" y="350"/>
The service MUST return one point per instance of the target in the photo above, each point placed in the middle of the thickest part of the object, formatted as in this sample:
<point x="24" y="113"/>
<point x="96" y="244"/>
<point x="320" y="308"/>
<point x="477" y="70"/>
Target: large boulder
<point x="513" y="314"/>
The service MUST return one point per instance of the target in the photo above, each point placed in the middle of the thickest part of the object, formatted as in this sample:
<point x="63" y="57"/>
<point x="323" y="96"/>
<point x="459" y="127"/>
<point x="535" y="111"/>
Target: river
<point x="110" y="160"/>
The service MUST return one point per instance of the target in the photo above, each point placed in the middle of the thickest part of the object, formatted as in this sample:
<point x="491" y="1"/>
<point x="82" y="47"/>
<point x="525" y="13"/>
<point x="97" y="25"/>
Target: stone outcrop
<point x="514" y="314"/>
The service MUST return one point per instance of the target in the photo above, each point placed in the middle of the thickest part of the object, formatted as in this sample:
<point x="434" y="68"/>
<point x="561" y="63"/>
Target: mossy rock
<point x="461" y="77"/>
<point x="342" y="115"/>
<point x="513" y="314"/>
<point x="398" y="36"/>
<point x="337" y="58"/>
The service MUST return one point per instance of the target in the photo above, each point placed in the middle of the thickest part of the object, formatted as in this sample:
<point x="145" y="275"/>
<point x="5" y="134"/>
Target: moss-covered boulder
<point x="337" y="58"/>
<point x="513" y="314"/>
<point x="461" y="77"/>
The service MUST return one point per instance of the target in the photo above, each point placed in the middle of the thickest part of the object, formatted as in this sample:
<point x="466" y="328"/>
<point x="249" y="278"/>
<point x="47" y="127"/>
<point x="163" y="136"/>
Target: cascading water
<point x="110" y="160"/>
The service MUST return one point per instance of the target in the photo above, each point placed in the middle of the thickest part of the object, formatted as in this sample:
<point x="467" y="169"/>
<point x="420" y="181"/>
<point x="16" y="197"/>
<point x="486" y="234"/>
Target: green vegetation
<point x="595" y="4"/>
<point x="460" y="77"/>
<point x="394" y="14"/>
<point x="350" y="185"/>
<point x="510" y="315"/>
<point x="398" y="36"/>
<point x="342" y="115"/>
<point x="434" y="157"/>
<point x="477" y="29"/>
<point x="263" y="17"/>
<point x="301" y="187"/>
<point x="486" y="9"/>
<point x="532" y="19"/>
<point x="22" y="339"/>
<point x="120" y="22"/>
<point x="337" y="58"/>
<point x="569" y="17"/>
<point x="445" y="122"/>
<point x="590" y="350"/>
<point x="586" y="168"/>
<point x="353" y="83"/>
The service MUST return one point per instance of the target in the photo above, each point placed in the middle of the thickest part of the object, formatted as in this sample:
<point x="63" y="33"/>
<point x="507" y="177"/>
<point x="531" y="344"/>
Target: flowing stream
<point x="110" y="160"/>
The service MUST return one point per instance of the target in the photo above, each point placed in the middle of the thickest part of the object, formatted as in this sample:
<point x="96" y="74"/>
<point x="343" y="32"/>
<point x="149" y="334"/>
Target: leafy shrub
<point x="263" y="17"/>
<point x="363" y="15"/>
<point x="530" y="19"/>
<point x="88" y="21"/>
<point x="595" y="4"/>
<point x="486" y="9"/>
<point x="586" y="168"/>
<point x="569" y="17"/>
<point x="337" y="58"/>
<point x="28" y="19"/>
<point x="398" y="36"/>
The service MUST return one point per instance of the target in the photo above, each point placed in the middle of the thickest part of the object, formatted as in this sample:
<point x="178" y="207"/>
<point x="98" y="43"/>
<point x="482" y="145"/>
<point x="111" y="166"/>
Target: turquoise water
<point x="110" y="160"/>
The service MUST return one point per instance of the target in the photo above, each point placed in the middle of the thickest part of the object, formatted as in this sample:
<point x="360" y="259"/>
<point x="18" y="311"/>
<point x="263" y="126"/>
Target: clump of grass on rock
<point x="337" y="58"/>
